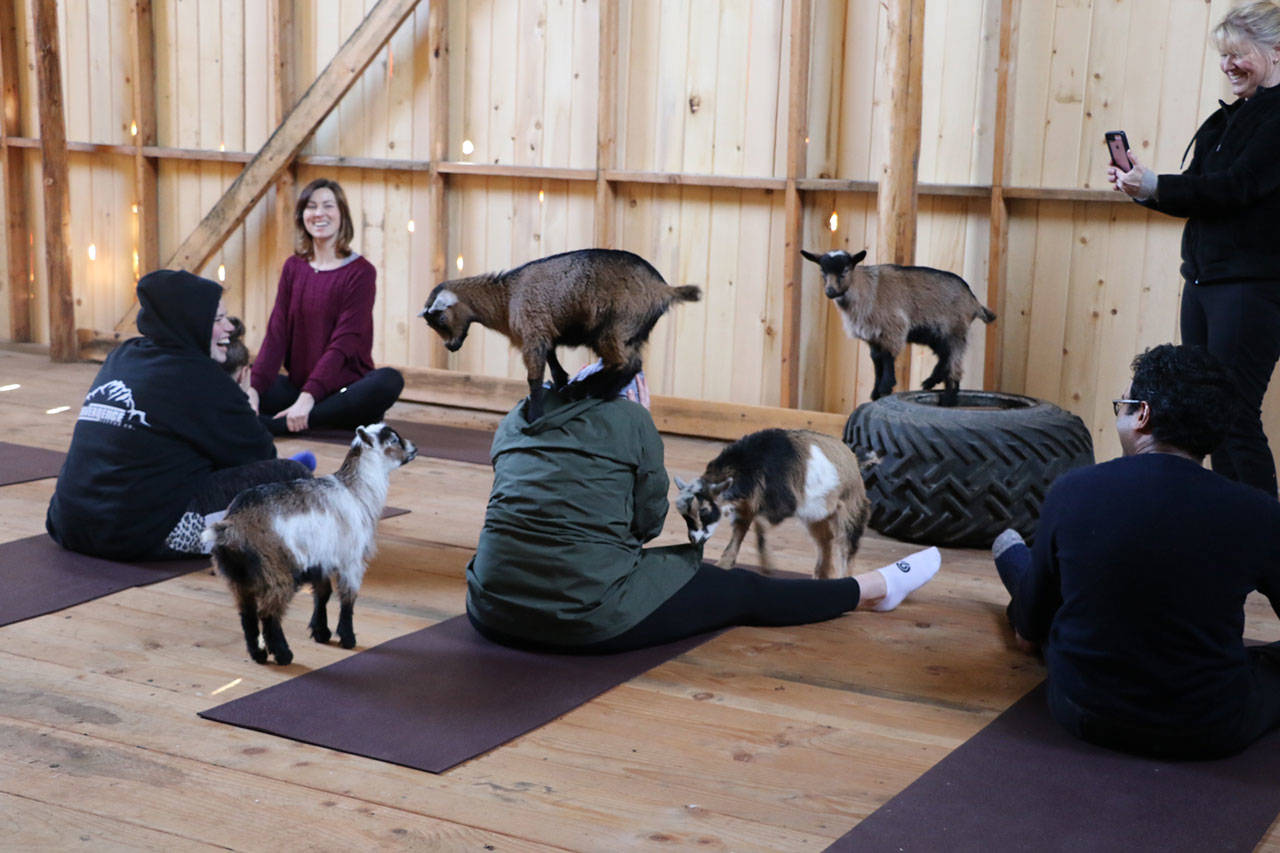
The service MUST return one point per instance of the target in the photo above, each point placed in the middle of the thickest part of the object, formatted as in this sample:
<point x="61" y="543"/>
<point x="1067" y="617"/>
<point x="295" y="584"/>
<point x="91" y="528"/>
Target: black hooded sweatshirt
<point x="161" y="416"/>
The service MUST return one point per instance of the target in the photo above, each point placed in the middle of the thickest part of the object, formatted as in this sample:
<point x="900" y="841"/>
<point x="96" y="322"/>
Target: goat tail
<point x="239" y="564"/>
<point x="987" y="314"/>
<point x="686" y="293"/>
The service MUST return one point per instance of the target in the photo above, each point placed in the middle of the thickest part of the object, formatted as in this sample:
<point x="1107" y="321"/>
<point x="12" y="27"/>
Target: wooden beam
<point x="675" y="415"/>
<point x="267" y="165"/>
<point x="284" y="96"/>
<point x="896" y="203"/>
<point x="998" y="240"/>
<point x="57" y="203"/>
<point x="145" y="168"/>
<point x="606" y="126"/>
<point x="17" y="235"/>
<point x="437" y="211"/>
<point x="793" y="229"/>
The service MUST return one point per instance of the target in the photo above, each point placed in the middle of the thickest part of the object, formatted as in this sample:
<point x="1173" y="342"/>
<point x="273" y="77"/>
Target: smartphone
<point x="1118" y="145"/>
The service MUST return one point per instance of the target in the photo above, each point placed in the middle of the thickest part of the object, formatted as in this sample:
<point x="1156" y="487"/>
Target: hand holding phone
<point x="1118" y="145"/>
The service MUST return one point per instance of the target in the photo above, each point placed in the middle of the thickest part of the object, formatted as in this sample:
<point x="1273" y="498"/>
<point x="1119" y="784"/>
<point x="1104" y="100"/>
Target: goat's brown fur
<point x="599" y="298"/>
<point x="889" y="306"/>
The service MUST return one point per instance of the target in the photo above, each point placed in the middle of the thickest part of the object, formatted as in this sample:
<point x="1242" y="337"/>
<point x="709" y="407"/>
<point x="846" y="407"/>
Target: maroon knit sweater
<point x="321" y="328"/>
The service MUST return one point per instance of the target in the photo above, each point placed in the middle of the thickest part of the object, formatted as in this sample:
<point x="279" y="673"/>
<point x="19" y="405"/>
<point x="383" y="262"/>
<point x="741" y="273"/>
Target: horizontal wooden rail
<point x="557" y="173"/>
<point x="675" y="415"/>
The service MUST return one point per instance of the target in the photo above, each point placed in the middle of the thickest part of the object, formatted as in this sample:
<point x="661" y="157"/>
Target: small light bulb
<point x="222" y="272"/>
<point x="411" y="226"/>
<point x="459" y="262"/>
<point x="133" y="128"/>
<point x="133" y="207"/>
<point x="93" y="252"/>
<point x="540" y="196"/>
<point x="834" y="222"/>
<point x="222" y="146"/>
<point x="467" y="147"/>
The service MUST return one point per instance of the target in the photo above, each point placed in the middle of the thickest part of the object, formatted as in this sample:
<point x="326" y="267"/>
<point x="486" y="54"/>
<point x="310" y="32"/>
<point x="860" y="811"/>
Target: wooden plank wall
<point x="698" y="169"/>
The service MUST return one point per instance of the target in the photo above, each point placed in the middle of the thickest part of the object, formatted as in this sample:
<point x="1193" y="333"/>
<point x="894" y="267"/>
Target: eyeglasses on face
<point x="1115" y="404"/>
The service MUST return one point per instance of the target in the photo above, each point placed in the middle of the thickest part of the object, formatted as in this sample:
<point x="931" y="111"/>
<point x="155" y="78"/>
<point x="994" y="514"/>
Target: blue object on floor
<point x="307" y="458"/>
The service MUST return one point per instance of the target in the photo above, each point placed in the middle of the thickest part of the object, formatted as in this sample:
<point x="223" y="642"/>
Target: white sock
<point x="906" y="576"/>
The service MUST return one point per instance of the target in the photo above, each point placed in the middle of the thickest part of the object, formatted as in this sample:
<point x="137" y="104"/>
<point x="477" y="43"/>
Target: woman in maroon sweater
<point x="321" y="328"/>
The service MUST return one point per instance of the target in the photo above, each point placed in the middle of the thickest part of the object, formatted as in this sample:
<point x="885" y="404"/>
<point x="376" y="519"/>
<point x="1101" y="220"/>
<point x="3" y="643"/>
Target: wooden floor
<point x="762" y="739"/>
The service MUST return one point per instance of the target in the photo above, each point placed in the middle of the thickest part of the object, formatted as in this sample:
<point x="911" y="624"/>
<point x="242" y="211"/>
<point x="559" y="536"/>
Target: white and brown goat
<point x="890" y="306"/>
<point x="278" y="536"/>
<point x="599" y="298"/>
<point x="773" y="475"/>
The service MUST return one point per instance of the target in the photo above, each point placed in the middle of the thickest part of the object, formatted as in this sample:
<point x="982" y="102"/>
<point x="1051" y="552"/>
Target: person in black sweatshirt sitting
<point x="165" y="437"/>
<point x="1136" y="584"/>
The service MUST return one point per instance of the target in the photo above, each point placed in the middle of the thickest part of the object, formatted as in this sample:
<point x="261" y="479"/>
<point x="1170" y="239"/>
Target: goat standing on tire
<point x="599" y="298"/>
<point x="890" y="306"/>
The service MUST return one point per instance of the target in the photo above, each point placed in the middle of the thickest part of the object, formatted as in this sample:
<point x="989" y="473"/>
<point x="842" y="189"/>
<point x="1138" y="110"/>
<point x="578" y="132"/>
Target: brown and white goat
<point x="278" y="536"/>
<point x="889" y="306"/>
<point x="599" y="298"/>
<point x="777" y="474"/>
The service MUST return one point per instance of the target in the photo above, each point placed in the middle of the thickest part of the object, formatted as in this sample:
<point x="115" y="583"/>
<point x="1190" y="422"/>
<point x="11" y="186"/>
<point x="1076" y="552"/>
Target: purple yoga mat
<point x="460" y="444"/>
<point x="1024" y="783"/>
<point x="38" y="576"/>
<point x="19" y="463"/>
<point x="436" y="697"/>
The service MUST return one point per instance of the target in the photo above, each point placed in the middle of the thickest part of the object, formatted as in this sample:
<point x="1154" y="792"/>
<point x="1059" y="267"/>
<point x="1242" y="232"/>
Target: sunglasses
<point x="1115" y="404"/>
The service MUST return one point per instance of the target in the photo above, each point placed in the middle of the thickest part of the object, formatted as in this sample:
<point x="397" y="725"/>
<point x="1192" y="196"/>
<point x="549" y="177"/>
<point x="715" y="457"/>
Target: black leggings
<point x="1240" y="324"/>
<point x="361" y="403"/>
<point x="716" y="598"/>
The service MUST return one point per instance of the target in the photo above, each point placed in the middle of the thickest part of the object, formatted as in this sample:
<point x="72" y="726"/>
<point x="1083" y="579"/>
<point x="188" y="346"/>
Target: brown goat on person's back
<point x="890" y="306"/>
<point x="599" y="298"/>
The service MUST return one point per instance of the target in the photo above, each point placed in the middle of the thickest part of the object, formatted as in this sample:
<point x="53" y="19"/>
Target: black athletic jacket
<point x="161" y="416"/>
<point x="1230" y="194"/>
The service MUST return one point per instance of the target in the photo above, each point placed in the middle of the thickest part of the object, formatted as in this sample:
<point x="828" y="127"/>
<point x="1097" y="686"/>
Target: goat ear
<point x="720" y="488"/>
<point x="364" y="436"/>
<point x="681" y="484"/>
<point x="858" y="257"/>
<point x="817" y="259"/>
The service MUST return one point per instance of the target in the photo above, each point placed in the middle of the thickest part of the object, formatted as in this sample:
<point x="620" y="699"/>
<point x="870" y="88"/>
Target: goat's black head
<point x="444" y="314"/>
<point x="837" y="269"/>
<point x="697" y="503"/>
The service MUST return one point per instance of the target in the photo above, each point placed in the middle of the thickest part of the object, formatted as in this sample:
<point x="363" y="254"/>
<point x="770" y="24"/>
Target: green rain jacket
<point x="575" y="496"/>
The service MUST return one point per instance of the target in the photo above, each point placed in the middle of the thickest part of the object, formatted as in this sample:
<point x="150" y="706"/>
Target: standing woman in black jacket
<point x="1230" y="196"/>
<point x="165" y="438"/>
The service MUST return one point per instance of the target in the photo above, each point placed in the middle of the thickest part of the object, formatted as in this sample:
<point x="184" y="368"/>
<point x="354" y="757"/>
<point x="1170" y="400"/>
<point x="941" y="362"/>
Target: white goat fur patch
<point x="444" y="299"/>
<point x="820" y="479"/>
<point x="333" y="537"/>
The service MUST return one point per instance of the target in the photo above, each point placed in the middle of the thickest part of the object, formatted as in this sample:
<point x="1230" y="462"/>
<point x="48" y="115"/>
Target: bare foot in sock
<point x="906" y="576"/>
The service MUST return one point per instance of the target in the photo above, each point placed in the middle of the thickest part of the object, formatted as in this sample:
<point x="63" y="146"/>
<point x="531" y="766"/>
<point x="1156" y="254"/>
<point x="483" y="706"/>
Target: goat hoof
<point x="284" y="657"/>
<point x="259" y="655"/>
<point x="321" y="634"/>
<point x="347" y="641"/>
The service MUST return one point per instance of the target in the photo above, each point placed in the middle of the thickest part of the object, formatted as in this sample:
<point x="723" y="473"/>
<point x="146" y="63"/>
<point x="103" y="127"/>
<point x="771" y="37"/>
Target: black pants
<point x="1240" y="324"/>
<point x="361" y="403"/>
<point x="716" y="598"/>
<point x="1256" y="718"/>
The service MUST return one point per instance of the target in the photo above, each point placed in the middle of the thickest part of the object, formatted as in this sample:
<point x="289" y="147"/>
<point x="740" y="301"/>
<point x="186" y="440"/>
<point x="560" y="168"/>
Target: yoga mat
<point x="434" y="698"/>
<point x="38" y="576"/>
<point x="442" y="442"/>
<point x="19" y="463"/>
<point x="1024" y="783"/>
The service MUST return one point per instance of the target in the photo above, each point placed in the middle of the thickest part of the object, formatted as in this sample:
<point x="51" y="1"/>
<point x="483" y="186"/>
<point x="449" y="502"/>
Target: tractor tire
<point x="960" y="475"/>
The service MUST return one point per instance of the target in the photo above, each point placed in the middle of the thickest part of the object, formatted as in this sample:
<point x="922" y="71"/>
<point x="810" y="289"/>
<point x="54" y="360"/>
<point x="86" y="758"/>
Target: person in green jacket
<point x="560" y="564"/>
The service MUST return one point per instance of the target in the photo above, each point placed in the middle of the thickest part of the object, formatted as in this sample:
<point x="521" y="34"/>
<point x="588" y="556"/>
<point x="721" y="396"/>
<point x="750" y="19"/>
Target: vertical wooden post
<point x="57" y="203"/>
<point x="437" y="213"/>
<point x="797" y="149"/>
<point x="896" y="201"/>
<point x="145" y="169"/>
<point x="285" y="94"/>
<point x="15" y="201"/>
<point x="998" y="241"/>
<point x="606" y="124"/>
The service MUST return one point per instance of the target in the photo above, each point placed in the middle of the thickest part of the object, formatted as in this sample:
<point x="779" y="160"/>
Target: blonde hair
<point x="1256" y="23"/>
<point x="303" y="244"/>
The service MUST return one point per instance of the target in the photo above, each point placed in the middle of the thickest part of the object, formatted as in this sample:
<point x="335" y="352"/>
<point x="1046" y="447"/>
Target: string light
<point x="540" y="195"/>
<point x="134" y="208"/>
<point x="467" y="147"/>
<point x="222" y="272"/>
<point x="222" y="146"/>
<point x="93" y="252"/>
<point x="834" y="222"/>
<point x="133" y="128"/>
<point x="459" y="263"/>
<point x="411" y="226"/>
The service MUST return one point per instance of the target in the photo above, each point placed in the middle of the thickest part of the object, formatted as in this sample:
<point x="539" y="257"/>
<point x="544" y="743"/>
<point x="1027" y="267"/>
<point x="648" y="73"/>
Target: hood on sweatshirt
<point x="178" y="309"/>
<point x="557" y="411"/>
